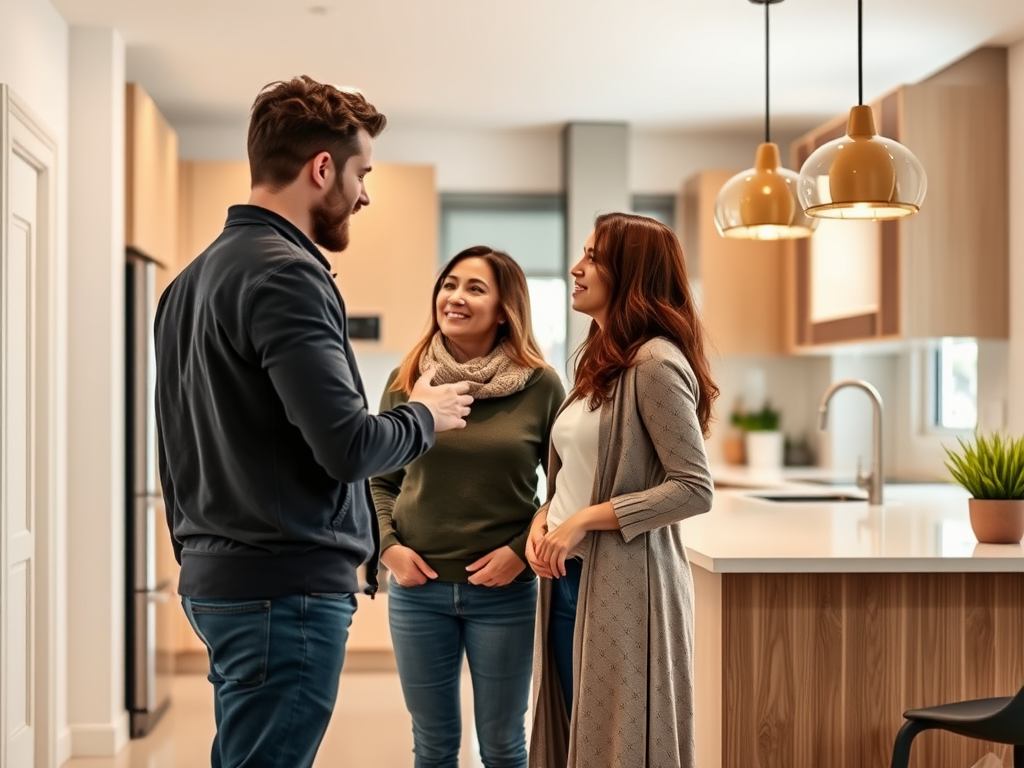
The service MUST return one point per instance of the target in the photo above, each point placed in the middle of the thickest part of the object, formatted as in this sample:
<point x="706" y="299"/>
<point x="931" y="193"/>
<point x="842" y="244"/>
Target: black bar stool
<point x="1000" y="720"/>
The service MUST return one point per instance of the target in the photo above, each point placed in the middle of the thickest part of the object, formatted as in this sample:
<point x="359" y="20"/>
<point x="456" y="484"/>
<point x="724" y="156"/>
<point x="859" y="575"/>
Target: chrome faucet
<point x="871" y="480"/>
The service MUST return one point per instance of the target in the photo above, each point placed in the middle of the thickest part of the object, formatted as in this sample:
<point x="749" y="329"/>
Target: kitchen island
<point x="818" y="622"/>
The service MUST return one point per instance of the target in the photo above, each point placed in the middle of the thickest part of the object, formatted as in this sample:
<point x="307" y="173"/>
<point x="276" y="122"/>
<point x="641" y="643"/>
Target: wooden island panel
<point x="817" y="669"/>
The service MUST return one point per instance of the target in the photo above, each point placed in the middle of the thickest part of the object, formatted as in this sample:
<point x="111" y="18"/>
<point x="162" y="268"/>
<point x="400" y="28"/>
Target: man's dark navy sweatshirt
<point x="265" y="440"/>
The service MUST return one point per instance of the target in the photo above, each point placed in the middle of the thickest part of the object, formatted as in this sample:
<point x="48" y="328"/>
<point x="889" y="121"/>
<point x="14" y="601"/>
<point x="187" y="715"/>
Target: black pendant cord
<point x="860" y="54"/>
<point x="767" y="123"/>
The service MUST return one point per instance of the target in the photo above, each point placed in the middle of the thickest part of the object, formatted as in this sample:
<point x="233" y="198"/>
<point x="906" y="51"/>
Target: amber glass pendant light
<point x="862" y="175"/>
<point x="761" y="203"/>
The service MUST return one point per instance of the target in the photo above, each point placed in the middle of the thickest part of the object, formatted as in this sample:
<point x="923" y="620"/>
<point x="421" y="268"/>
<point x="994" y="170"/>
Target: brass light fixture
<point x="862" y="175"/>
<point x="761" y="203"/>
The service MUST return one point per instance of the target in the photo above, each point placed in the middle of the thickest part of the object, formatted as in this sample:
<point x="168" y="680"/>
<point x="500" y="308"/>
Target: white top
<point x="574" y="436"/>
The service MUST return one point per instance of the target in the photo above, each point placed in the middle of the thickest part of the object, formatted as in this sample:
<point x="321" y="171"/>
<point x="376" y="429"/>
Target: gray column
<point x="596" y="174"/>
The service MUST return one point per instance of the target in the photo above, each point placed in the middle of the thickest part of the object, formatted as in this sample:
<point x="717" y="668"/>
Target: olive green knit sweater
<point x="476" y="489"/>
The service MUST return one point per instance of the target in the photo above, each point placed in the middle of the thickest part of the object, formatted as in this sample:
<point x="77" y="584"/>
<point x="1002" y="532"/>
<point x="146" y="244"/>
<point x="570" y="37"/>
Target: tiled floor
<point x="370" y="728"/>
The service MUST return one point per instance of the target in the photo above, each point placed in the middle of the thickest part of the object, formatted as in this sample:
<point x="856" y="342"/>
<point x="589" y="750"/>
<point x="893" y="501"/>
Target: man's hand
<point x="448" y="403"/>
<point x="409" y="569"/>
<point x="497" y="568"/>
<point x="538" y="528"/>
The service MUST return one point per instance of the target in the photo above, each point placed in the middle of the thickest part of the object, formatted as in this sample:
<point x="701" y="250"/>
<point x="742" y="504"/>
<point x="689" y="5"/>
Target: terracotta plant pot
<point x="997" y="521"/>
<point x="732" y="449"/>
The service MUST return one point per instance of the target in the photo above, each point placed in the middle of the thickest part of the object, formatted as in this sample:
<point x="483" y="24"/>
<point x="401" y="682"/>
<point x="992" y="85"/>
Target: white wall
<point x="519" y="160"/>
<point x="96" y="523"/>
<point x="1015" y="386"/>
<point x="205" y="142"/>
<point x="34" y="63"/>
<point x="660" y="160"/>
<point x="34" y="60"/>
<point x="523" y="160"/>
<point x="526" y="160"/>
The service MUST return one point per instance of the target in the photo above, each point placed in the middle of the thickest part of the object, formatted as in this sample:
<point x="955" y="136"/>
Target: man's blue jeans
<point x="431" y="626"/>
<point x="275" y="666"/>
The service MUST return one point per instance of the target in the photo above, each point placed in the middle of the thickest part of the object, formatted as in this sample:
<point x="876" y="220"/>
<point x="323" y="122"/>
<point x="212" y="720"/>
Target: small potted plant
<point x="763" y="441"/>
<point x="991" y="468"/>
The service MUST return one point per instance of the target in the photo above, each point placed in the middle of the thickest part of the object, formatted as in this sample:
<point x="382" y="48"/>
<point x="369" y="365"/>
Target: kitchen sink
<point x="820" y="498"/>
<point x="850" y="481"/>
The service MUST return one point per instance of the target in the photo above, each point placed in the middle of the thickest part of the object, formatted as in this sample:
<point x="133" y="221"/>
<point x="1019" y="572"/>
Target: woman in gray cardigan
<point x="613" y="666"/>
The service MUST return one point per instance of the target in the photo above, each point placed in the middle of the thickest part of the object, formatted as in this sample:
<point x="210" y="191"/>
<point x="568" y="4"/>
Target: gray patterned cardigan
<point x="633" y="646"/>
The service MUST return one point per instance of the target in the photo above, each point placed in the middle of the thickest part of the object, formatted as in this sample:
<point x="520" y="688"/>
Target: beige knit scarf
<point x="493" y="375"/>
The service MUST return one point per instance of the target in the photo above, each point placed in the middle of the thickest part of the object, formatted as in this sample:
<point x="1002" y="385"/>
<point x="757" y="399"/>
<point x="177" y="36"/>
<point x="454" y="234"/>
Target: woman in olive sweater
<point x="454" y="523"/>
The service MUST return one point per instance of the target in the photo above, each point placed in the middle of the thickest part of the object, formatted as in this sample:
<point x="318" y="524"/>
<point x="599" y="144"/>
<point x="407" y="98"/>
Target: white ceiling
<point x="673" y="64"/>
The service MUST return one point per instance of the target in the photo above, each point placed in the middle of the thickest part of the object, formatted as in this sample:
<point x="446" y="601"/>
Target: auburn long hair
<point x="514" y="299"/>
<point x="642" y="263"/>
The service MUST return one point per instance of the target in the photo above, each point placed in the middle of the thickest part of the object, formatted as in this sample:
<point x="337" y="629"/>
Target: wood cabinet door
<point x="151" y="178"/>
<point x="847" y="274"/>
<point x="741" y="283"/>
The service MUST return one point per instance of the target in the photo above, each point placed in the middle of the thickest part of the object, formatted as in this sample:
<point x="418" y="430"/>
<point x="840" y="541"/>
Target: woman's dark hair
<point x="642" y="263"/>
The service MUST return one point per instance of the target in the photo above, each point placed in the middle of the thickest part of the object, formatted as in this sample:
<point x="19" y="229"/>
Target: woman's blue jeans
<point x="431" y="627"/>
<point x="275" y="666"/>
<point x="562" y="624"/>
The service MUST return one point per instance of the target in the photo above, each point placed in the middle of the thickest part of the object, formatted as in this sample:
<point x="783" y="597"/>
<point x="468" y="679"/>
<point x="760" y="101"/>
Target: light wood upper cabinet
<point x="741" y="282"/>
<point x="941" y="272"/>
<point x="151" y="181"/>
<point x="208" y="189"/>
<point x="389" y="268"/>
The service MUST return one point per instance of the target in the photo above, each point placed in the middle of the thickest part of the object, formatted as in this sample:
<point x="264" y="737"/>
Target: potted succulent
<point x="763" y="442"/>
<point x="991" y="468"/>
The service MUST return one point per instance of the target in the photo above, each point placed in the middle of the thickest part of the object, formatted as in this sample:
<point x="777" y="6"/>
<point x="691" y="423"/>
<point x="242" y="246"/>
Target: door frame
<point x="22" y="133"/>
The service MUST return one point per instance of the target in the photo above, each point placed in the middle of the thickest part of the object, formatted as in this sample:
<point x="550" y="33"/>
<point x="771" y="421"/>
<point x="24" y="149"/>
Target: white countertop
<point x="921" y="527"/>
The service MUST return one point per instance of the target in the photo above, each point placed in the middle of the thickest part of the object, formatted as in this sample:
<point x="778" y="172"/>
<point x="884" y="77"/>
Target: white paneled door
<point x="16" y="480"/>
<point x="27" y="447"/>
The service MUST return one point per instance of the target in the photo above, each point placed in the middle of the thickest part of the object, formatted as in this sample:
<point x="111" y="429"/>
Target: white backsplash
<point x="793" y="386"/>
<point x="911" y="447"/>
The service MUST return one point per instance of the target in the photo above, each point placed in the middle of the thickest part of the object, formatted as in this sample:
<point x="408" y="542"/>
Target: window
<point x="659" y="207"/>
<point x="531" y="229"/>
<point x="956" y="384"/>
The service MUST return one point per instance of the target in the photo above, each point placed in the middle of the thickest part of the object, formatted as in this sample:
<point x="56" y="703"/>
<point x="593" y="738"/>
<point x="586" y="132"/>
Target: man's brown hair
<point x="293" y="120"/>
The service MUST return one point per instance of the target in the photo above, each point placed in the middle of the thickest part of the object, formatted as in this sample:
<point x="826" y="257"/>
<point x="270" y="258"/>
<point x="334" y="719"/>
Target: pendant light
<point x="862" y="175"/>
<point x="761" y="203"/>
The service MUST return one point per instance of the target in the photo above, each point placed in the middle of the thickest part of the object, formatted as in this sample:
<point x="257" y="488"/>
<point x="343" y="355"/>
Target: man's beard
<point x="330" y="228"/>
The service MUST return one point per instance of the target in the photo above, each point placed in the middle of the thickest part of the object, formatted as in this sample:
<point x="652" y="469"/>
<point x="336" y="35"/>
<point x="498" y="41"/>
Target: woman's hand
<point x="538" y="528"/>
<point x="497" y="568"/>
<point x="409" y="569"/>
<point x="556" y="545"/>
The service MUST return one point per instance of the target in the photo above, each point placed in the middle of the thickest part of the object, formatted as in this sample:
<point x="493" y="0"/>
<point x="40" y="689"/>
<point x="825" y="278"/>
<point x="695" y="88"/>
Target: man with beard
<point x="265" y="441"/>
